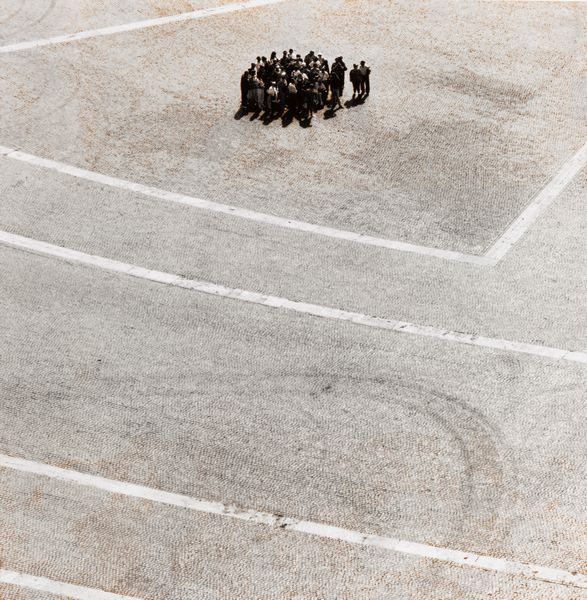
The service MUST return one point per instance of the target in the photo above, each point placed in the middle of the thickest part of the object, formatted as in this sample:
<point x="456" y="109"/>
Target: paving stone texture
<point x="22" y="21"/>
<point x="474" y="107"/>
<point x="498" y="97"/>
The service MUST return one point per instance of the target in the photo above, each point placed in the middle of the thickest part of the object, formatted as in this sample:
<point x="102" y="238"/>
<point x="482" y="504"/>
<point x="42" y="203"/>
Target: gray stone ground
<point x="21" y="21"/>
<point x="498" y="98"/>
<point x="474" y="106"/>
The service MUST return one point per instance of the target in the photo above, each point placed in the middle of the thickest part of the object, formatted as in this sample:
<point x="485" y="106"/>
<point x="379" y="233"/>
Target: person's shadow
<point x="240" y="113"/>
<point x="287" y="118"/>
<point x="355" y="102"/>
<point x="330" y="113"/>
<point x="269" y="117"/>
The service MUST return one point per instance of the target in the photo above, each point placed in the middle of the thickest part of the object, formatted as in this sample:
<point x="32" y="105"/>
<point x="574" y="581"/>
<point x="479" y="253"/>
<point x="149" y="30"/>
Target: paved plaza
<point x="247" y="360"/>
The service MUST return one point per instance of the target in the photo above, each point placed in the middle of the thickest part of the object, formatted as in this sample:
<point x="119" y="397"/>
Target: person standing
<point x="365" y="72"/>
<point x="292" y="96"/>
<point x="322" y="91"/>
<point x="251" y="93"/>
<point x="282" y="88"/>
<point x="245" y="78"/>
<point x="272" y="97"/>
<point x="356" y="78"/>
<point x="325" y="77"/>
<point x="260" y="93"/>
<point x="336" y="83"/>
<point x="340" y="68"/>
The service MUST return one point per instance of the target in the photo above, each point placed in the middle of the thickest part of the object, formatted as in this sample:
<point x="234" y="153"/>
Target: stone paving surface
<point x="12" y="592"/>
<point x="154" y="551"/>
<point x="473" y="449"/>
<point x="534" y="295"/>
<point x="499" y="99"/>
<point x="22" y="21"/>
<point x="224" y="401"/>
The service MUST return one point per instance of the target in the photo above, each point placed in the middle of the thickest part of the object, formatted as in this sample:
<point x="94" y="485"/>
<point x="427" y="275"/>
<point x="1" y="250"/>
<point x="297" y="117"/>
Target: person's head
<point x="290" y="51"/>
<point x="362" y="63"/>
<point x="258" y="59"/>
<point x="274" y="54"/>
<point x="355" y="66"/>
<point x="264" y="59"/>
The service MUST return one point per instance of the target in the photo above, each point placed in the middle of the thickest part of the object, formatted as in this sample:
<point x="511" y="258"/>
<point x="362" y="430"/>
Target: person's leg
<point x="367" y="86"/>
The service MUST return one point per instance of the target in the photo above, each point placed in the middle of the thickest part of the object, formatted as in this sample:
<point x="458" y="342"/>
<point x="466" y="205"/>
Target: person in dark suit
<point x="336" y="83"/>
<point x="282" y="87"/>
<point x="340" y="69"/>
<point x="356" y="78"/>
<point x="245" y="79"/>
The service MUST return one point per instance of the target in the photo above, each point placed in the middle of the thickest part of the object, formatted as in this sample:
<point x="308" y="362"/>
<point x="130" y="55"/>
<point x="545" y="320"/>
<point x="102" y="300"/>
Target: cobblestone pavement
<point x="475" y="107"/>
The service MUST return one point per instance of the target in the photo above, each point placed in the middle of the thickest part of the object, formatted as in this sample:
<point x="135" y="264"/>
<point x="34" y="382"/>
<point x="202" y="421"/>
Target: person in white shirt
<point x="365" y="72"/>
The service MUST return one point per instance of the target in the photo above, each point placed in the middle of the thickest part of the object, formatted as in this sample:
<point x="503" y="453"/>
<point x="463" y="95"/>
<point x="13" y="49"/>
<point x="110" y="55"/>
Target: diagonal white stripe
<point x="469" y="559"/>
<point x="235" y="211"/>
<point x="497" y="251"/>
<point x="316" y="310"/>
<point x="544" y="199"/>
<point x="59" y="588"/>
<point x="92" y="33"/>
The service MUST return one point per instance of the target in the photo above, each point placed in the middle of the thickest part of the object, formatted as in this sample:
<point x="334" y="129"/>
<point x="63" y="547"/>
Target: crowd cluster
<point x="302" y="85"/>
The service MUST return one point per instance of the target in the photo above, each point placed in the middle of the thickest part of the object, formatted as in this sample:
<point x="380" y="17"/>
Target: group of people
<point x="302" y="85"/>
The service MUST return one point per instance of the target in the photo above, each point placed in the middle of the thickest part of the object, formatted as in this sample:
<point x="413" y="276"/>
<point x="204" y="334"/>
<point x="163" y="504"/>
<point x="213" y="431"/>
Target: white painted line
<point x="92" y="33"/>
<point x="107" y="264"/>
<point x="59" y="588"/>
<point x="546" y="197"/>
<point x="469" y="559"/>
<point x="242" y="213"/>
